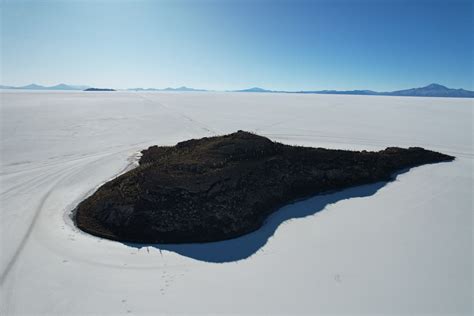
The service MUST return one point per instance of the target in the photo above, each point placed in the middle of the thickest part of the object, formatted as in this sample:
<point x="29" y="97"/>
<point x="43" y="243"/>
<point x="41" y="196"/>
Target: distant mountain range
<point x="254" y="89"/>
<point x="181" y="89"/>
<point x="432" y="90"/>
<point x="60" y="86"/>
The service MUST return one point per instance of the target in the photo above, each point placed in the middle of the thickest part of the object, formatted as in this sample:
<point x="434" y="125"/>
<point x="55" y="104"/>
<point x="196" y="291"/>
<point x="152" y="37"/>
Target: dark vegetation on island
<point x="223" y="187"/>
<point x="99" y="89"/>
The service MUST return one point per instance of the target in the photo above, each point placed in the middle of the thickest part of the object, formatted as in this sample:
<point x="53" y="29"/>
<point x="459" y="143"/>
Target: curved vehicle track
<point x="48" y="180"/>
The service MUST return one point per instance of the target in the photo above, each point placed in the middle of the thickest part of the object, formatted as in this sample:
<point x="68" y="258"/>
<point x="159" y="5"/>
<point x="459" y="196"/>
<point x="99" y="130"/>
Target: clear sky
<point x="287" y="45"/>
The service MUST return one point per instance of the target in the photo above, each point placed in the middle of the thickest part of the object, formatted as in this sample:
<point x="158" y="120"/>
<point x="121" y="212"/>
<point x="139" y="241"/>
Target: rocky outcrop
<point x="222" y="187"/>
<point x="98" y="89"/>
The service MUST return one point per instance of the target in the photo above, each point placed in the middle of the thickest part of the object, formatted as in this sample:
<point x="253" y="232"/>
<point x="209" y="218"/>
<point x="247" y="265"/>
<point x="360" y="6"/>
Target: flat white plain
<point x="406" y="249"/>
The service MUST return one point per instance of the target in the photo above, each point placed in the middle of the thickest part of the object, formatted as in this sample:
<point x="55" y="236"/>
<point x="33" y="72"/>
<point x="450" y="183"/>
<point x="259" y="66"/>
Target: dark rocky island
<point x="99" y="89"/>
<point x="222" y="187"/>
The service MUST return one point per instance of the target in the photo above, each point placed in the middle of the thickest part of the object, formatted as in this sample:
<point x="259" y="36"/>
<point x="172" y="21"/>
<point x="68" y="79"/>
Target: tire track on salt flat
<point x="23" y="241"/>
<point x="49" y="166"/>
<point x="66" y="172"/>
<point x="34" y="181"/>
<point x="61" y="162"/>
<point x="199" y="124"/>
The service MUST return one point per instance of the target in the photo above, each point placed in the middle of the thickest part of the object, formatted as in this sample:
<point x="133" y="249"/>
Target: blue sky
<point x="291" y="45"/>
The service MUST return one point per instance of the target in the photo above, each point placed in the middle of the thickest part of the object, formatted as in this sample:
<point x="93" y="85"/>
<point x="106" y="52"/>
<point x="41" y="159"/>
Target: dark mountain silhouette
<point x="254" y="89"/>
<point x="432" y="90"/>
<point x="34" y="86"/>
<point x="99" y="89"/>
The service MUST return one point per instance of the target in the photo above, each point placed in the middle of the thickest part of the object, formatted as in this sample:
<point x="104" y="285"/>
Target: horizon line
<point x="85" y="86"/>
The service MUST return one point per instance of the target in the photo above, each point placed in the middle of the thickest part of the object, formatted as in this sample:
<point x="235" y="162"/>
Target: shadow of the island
<point x="245" y="246"/>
